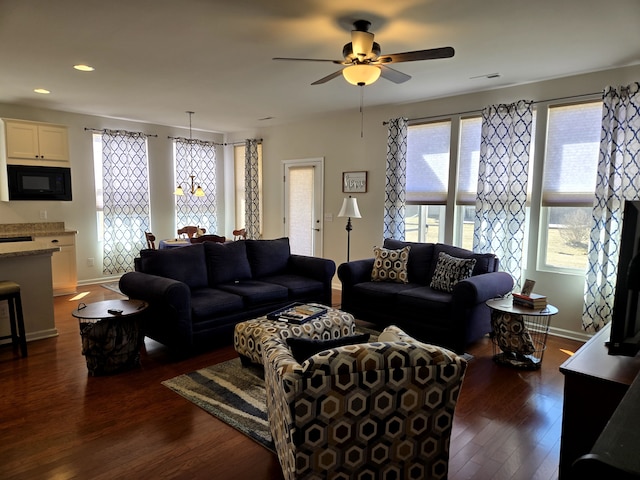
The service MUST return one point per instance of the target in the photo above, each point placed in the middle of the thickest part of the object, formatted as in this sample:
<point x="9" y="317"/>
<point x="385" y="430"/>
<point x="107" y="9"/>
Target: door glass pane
<point x="301" y="210"/>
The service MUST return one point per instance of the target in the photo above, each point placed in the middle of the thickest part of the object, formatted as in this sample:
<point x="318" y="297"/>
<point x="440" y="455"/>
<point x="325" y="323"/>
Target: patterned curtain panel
<point x="396" y="179"/>
<point x="125" y="185"/>
<point x="197" y="158"/>
<point x="618" y="180"/>
<point x="502" y="184"/>
<point x="252" y="189"/>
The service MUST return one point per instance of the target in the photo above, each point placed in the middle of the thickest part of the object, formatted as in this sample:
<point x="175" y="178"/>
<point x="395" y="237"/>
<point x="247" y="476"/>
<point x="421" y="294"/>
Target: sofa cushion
<point x="420" y="259"/>
<point x="212" y="302"/>
<point x="303" y="348"/>
<point x="380" y="296"/>
<point x="254" y="292"/>
<point x="226" y="262"/>
<point x="299" y="287"/>
<point x="450" y="270"/>
<point x="390" y="265"/>
<point x="430" y="302"/>
<point x="268" y="257"/>
<point x="185" y="264"/>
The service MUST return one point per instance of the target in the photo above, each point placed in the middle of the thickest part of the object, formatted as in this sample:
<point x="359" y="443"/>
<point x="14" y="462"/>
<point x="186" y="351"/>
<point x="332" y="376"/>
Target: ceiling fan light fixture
<point x="361" y="74"/>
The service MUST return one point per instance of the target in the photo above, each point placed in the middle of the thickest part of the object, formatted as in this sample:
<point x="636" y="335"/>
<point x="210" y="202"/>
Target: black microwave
<point x="39" y="183"/>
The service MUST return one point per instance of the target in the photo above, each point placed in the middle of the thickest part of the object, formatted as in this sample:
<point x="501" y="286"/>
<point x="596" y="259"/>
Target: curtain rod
<point x="570" y="97"/>
<point x="259" y="140"/>
<point x="125" y="132"/>
<point x="195" y="140"/>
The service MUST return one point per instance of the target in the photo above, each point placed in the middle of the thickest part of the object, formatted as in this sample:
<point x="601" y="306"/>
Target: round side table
<point x="111" y="336"/>
<point x="519" y="334"/>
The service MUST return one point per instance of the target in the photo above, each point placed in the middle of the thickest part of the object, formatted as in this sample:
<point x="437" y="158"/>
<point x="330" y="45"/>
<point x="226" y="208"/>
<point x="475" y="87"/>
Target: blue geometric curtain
<point x="502" y="184"/>
<point x="125" y="193"/>
<point x="252" y="189"/>
<point x="396" y="179"/>
<point x="197" y="158"/>
<point x="618" y="180"/>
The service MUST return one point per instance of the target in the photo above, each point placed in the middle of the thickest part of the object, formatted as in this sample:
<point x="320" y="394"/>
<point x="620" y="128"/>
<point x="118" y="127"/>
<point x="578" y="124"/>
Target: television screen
<point x="625" y="321"/>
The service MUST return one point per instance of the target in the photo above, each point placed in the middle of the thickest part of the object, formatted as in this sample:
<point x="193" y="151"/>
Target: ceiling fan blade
<point x="339" y="62"/>
<point x="327" y="78"/>
<point x="393" y="75"/>
<point x="431" y="54"/>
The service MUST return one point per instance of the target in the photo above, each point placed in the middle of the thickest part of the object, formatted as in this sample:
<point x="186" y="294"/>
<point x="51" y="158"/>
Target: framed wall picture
<point x="354" y="182"/>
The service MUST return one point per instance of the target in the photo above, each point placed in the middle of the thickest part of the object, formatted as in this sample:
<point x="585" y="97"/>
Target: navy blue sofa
<point x="198" y="293"/>
<point x="448" y="319"/>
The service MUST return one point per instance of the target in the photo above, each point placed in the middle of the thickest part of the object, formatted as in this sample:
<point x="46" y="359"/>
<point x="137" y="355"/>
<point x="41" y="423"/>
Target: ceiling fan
<point x="363" y="64"/>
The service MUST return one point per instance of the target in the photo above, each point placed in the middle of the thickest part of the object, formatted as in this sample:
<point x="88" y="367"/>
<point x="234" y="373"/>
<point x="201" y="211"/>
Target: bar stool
<point x="10" y="291"/>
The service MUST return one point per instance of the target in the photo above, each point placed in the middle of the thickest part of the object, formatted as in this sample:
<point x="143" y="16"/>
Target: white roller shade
<point x="570" y="166"/>
<point x="428" y="163"/>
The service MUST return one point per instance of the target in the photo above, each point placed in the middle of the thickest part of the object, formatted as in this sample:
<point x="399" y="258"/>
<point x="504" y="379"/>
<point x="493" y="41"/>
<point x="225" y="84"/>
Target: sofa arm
<point x="321" y="269"/>
<point x="480" y="288"/>
<point x="155" y="289"/>
<point x="354" y="272"/>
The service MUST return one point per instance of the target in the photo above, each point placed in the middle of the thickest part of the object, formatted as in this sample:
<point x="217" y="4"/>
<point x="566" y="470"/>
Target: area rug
<point x="235" y="394"/>
<point x="231" y="392"/>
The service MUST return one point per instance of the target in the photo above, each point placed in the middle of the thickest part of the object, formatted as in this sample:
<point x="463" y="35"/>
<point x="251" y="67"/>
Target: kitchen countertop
<point x="21" y="249"/>
<point x="39" y="229"/>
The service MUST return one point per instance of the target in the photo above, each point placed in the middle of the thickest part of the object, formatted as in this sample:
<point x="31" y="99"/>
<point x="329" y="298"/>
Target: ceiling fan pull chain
<point x="361" y="110"/>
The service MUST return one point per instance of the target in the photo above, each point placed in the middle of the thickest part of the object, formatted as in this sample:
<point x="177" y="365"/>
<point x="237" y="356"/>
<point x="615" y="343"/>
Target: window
<point x="240" y="183"/>
<point x="469" y="161"/>
<point x="570" y="168"/>
<point x="427" y="181"/>
<point x="122" y="197"/>
<point x="198" y="159"/>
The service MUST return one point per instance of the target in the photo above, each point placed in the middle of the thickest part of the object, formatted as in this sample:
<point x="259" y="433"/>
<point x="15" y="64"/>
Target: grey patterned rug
<point x="235" y="394"/>
<point x="231" y="392"/>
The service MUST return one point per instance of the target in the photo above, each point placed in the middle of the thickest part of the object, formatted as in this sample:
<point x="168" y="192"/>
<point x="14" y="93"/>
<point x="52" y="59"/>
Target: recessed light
<point x="84" y="68"/>
<point x="44" y="91"/>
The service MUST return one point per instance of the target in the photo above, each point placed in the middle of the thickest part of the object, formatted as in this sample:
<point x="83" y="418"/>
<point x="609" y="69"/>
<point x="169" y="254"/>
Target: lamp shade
<point x="349" y="208"/>
<point x="179" y="191"/>
<point x="361" y="74"/>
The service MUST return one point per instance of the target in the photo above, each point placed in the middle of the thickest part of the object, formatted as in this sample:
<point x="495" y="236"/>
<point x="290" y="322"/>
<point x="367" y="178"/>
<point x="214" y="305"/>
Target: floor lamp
<point x="350" y="210"/>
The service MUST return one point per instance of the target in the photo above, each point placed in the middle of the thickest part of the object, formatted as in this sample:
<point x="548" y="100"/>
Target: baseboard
<point x="98" y="281"/>
<point x="570" y="334"/>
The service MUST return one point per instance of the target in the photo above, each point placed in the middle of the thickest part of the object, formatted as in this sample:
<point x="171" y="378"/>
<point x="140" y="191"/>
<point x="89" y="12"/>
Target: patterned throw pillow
<point x="390" y="265"/>
<point x="450" y="270"/>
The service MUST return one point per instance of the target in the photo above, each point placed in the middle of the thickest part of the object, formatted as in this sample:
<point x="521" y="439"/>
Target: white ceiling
<point x="155" y="59"/>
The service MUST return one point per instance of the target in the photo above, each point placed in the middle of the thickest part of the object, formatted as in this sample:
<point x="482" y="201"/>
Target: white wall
<point x="337" y="139"/>
<point x="334" y="137"/>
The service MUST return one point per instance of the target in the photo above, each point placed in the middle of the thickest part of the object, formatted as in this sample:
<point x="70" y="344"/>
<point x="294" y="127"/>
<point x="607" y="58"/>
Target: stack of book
<point x="533" y="300"/>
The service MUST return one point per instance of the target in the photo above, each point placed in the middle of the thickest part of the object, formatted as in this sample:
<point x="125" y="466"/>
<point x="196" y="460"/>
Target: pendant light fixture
<point x="193" y="190"/>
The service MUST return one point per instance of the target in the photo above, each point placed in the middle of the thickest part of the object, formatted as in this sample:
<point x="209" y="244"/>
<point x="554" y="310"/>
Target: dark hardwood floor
<point x="57" y="422"/>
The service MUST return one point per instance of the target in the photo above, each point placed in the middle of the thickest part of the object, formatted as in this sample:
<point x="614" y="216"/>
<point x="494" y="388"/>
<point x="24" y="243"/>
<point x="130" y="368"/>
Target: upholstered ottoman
<point x="247" y="337"/>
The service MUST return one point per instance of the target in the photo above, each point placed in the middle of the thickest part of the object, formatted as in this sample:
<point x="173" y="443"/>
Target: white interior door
<point x="303" y="201"/>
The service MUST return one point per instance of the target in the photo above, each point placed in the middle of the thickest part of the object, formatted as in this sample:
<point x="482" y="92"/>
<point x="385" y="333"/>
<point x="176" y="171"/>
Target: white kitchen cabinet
<point x="32" y="143"/>
<point x="63" y="263"/>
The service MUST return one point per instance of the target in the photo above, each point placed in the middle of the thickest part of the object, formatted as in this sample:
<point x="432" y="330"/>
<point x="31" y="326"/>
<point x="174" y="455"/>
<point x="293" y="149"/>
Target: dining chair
<point x="151" y="240"/>
<point x="208" y="238"/>
<point x="190" y="231"/>
<point x="240" y="234"/>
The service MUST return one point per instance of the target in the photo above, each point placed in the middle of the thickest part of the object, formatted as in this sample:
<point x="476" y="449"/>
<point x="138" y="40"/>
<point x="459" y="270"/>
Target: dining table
<point x="174" y="243"/>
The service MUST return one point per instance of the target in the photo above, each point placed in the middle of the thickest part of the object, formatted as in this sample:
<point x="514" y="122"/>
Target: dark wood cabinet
<point x="594" y="384"/>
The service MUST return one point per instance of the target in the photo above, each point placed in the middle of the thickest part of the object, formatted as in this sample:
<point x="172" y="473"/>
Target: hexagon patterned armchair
<point x="375" y="410"/>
